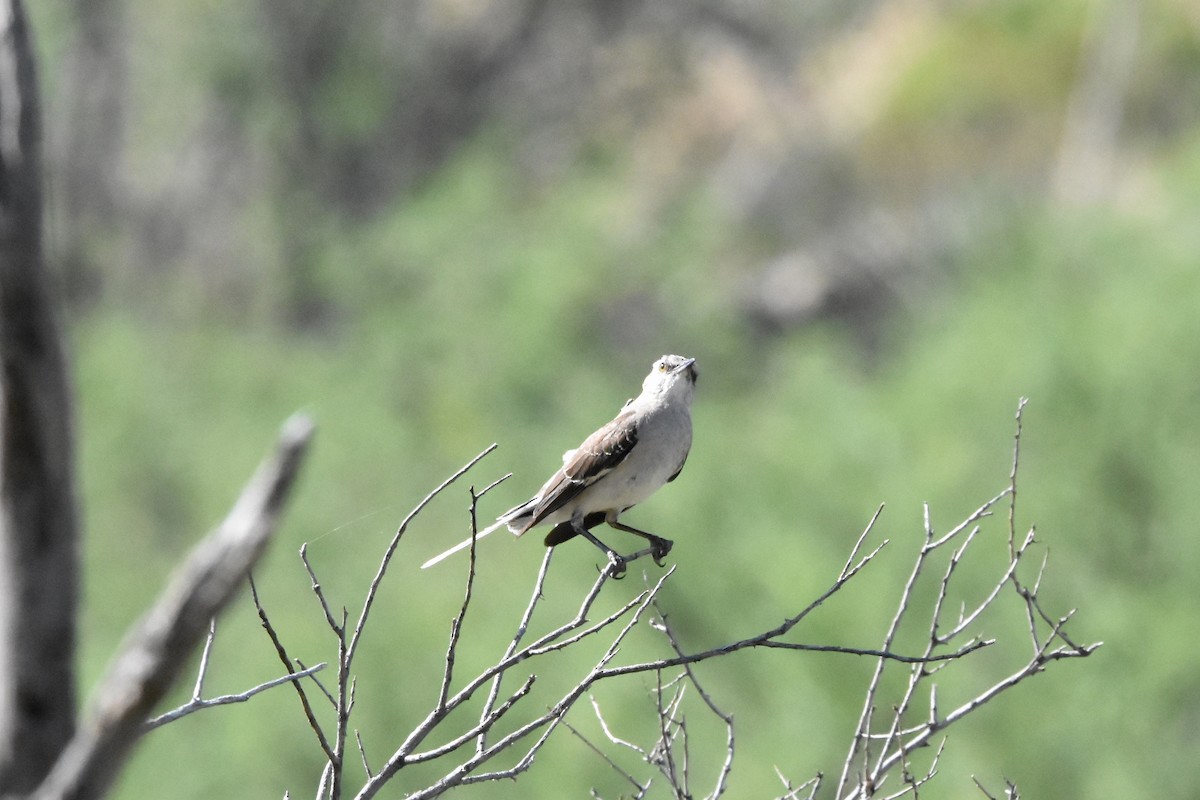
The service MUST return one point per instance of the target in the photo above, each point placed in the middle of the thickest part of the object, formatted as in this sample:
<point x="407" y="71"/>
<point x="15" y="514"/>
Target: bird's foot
<point x="616" y="565"/>
<point x="659" y="548"/>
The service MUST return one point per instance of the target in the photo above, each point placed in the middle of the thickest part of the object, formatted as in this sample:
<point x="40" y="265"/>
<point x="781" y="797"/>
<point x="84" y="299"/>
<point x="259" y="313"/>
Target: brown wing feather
<point x="598" y="454"/>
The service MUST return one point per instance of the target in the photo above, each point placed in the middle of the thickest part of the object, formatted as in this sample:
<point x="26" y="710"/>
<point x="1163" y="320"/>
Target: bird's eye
<point x="662" y="366"/>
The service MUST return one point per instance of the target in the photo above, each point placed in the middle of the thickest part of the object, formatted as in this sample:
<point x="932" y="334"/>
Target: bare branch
<point x="157" y="649"/>
<point x="457" y="622"/>
<point x="485" y="724"/>
<point x="898" y="741"/>
<point x="1012" y="479"/>
<point x="727" y="764"/>
<point x="465" y="772"/>
<point x="338" y="628"/>
<point x="202" y="670"/>
<point x="764" y="639"/>
<point x="611" y="736"/>
<point x="287" y="664"/>
<point x="854" y="551"/>
<point x="198" y="703"/>
<point x="325" y="785"/>
<point x="328" y="695"/>
<point x="984" y="510"/>
<point x="1010" y="790"/>
<point x="966" y="619"/>
<point x="522" y="626"/>
<point x="885" y="655"/>
<point x="641" y="788"/>
<point x="369" y="601"/>
<point x="793" y="793"/>
<point x="362" y="751"/>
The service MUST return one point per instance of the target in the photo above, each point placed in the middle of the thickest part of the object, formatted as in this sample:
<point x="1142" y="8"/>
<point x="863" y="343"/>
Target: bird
<point x="622" y="464"/>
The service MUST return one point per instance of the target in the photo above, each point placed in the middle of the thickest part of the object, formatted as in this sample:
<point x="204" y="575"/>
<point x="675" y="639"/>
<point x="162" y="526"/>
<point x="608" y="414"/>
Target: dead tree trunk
<point x="38" y="520"/>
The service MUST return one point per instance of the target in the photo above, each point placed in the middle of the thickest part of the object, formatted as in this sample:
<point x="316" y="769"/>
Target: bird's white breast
<point x="664" y="438"/>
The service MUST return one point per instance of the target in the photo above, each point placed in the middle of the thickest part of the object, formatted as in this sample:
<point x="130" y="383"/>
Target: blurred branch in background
<point x="155" y="652"/>
<point x="497" y="730"/>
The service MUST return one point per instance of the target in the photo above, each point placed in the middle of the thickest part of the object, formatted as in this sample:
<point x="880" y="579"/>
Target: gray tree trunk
<point x="38" y="519"/>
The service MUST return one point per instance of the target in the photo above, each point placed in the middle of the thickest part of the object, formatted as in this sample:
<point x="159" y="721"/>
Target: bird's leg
<point x="659" y="547"/>
<point x="565" y="531"/>
<point x="615" y="560"/>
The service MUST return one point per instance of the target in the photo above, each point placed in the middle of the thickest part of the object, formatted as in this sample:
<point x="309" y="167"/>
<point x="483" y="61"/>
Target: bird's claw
<point x="659" y="548"/>
<point x="616" y="566"/>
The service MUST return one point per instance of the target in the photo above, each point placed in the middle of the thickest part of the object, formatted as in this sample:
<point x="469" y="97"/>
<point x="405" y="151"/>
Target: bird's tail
<point x="463" y="545"/>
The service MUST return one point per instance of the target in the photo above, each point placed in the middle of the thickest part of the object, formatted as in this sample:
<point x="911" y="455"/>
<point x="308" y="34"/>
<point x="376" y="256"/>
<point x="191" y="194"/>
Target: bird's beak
<point x="685" y="365"/>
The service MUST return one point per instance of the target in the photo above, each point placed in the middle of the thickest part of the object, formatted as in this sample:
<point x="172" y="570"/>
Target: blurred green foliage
<point x="485" y="306"/>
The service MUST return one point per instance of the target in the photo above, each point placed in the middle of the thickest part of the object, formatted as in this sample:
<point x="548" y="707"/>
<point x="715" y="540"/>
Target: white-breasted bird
<point x="641" y="450"/>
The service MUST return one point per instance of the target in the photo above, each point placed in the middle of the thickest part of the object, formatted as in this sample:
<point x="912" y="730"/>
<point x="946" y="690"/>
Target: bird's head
<point x="673" y="376"/>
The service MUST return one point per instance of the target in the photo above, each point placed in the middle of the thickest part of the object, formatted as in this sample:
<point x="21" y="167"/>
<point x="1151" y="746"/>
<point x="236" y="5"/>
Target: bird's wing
<point x="675" y="474"/>
<point x="599" y="454"/>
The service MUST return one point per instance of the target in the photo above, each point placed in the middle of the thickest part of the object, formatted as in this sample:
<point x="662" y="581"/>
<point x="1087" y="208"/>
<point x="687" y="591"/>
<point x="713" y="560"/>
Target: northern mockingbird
<point x="615" y="468"/>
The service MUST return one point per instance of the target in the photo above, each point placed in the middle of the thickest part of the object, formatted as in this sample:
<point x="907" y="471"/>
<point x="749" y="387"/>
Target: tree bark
<point x="38" y="517"/>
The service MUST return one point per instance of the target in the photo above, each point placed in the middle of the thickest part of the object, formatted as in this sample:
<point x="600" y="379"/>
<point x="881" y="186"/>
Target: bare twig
<point x="338" y="628"/>
<point x="362" y="751"/>
<point x="612" y="737"/>
<point x="202" y="670"/>
<point x="317" y="730"/>
<point x="523" y="626"/>
<point x="854" y="551"/>
<point x="465" y="772"/>
<point x="198" y="703"/>
<point x="617" y="768"/>
<point x="1010" y="790"/>
<point x="1012" y="479"/>
<point x="873" y="755"/>
<point x="369" y="600"/>
<point x="793" y="792"/>
<point x="727" y="764"/>
<point x="343" y="694"/>
<point x="457" y="622"/>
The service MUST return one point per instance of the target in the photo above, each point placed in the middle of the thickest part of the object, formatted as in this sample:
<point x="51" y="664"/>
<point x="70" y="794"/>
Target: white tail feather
<point x="464" y="544"/>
